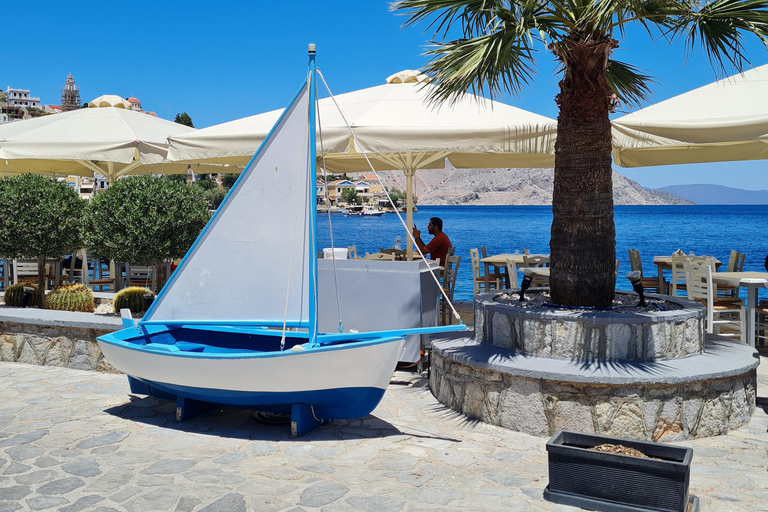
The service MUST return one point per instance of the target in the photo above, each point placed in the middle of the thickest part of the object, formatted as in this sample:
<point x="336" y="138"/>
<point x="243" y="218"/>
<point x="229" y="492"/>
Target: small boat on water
<point x="237" y="323"/>
<point x="362" y="211"/>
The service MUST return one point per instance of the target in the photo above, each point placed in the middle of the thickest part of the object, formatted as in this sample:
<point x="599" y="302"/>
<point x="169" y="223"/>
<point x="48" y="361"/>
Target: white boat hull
<point x="339" y="381"/>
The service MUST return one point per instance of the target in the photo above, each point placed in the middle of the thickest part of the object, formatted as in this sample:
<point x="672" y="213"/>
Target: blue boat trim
<point x="339" y="403"/>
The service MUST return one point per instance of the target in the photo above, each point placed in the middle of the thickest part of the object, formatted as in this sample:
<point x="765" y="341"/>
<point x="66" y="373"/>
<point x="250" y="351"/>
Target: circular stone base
<point x="702" y="395"/>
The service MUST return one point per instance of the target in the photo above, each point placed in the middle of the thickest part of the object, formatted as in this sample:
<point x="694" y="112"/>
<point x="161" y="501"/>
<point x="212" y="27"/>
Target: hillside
<point x="509" y="186"/>
<point x="717" y="194"/>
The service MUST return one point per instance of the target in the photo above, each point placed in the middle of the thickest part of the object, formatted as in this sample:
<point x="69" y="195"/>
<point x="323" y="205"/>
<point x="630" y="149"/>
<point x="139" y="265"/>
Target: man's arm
<point x="417" y="236"/>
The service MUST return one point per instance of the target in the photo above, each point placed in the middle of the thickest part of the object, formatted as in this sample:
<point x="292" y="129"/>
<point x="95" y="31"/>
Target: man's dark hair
<point x="437" y="222"/>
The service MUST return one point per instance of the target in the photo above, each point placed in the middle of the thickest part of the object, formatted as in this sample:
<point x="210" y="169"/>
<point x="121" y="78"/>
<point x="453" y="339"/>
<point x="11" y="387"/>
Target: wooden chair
<point x="650" y="284"/>
<point x="25" y="271"/>
<point x="352" y="252"/>
<point x="136" y="275"/>
<point x="725" y="316"/>
<point x="103" y="272"/>
<point x="512" y="273"/>
<point x="450" y="270"/>
<point x="735" y="264"/>
<point x="761" y="322"/>
<point x="497" y="273"/>
<point x="677" y="282"/>
<point x="478" y="274"/>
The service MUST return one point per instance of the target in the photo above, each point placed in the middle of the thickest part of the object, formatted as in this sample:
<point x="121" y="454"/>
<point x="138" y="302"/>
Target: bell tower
<point x="70" y="95"/>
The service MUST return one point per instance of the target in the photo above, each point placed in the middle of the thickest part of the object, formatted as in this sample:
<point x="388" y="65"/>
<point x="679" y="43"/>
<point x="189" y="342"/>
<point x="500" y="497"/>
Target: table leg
<point x="751" y="303"/>
<point x="662" y="287"/>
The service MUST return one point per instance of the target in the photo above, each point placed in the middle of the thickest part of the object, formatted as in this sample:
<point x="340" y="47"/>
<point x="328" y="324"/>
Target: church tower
<point x="70" y="95"/>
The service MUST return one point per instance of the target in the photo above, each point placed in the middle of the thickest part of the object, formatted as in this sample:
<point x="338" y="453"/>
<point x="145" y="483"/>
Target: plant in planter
<point x="134" y="298"/>
<point x="582" y="477"/>
<point x="70" y="297"/>
<point x="21" y="295"/>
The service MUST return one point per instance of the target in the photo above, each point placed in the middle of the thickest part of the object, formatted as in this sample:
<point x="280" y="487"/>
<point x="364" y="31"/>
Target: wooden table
<point x="499" y="264"/>
<point x="401" y="255"/>
<point x="665" y="263"/>
<point x="752" y="281"/>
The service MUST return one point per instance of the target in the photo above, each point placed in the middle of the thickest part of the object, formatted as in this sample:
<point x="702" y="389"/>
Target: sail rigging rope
<point x="293" y="238"/>
<point x="381" y="183"/>
<point x="330" y="225"/>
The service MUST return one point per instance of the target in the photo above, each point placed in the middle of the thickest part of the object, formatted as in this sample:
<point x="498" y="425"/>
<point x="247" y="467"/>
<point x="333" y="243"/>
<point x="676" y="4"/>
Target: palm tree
<point x="495" y="54"/>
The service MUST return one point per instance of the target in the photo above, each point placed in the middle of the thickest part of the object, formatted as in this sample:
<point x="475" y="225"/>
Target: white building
<point x="20" y="98"/>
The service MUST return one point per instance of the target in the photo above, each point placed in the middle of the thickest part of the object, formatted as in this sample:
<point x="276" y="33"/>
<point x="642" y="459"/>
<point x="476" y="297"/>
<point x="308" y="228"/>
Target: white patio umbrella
<point x="110" y="141"/>
<point x="398" y="129"/>
<point x="724" y="121"/>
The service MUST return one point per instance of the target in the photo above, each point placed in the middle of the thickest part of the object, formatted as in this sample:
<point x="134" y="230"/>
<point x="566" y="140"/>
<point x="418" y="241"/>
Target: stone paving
<point x="73" y="440"/>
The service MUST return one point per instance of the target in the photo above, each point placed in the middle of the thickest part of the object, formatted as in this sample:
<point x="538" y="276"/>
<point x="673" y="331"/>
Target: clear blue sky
<point x="220" y="61"/>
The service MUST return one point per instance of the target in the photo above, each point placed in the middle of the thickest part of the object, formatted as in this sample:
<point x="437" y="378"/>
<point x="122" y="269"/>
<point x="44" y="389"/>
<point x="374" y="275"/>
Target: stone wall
<point x="47" y="338"/>
<point x="592" y="335"/>
<point x="654" y="411"/>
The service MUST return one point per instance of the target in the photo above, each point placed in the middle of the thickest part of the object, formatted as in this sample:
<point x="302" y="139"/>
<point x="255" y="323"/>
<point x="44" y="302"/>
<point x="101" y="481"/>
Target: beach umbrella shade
<point x="398" y="128"/>
<point x="724" y="121"/>
<point x="110" y="141"/>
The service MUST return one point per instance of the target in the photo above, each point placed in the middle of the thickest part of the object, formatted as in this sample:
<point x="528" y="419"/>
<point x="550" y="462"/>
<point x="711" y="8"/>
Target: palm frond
<point x="489" y="64"/>
<point x="628" y="83"/>
<point x="720" y="26"/>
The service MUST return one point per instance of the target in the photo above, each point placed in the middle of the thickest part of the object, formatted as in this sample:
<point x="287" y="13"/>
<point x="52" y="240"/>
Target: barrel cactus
<point x="14" y="295"/>
<point x="70" y="297"/>
<point x="132" y="298"/>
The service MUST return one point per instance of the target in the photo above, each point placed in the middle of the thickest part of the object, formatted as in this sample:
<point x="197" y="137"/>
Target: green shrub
<point x="14" y="295"/>
<point x="131" y="298"/>
<point x="215" y="196"/>
<point x="70" y="297"/>
<point x="144" y="219"/>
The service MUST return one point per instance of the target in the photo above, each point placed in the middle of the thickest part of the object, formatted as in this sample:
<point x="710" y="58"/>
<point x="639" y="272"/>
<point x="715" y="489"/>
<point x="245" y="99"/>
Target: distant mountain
<point x="509" y="186"/>
<point x="717" y="194"/>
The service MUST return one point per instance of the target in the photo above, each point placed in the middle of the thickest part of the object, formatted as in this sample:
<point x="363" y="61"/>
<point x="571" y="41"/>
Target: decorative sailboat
<point x="237" y="323"/>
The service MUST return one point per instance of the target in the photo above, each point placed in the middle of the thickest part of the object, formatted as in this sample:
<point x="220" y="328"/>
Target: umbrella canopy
<point x="110" y="141"/>
<point x="724" y="121"/>
<point x="109" y="100"/>
<point x="398" y="129"/>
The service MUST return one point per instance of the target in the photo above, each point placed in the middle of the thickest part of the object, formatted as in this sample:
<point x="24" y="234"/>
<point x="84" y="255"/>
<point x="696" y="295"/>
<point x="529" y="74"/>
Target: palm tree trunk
<point x="583" y="238"/>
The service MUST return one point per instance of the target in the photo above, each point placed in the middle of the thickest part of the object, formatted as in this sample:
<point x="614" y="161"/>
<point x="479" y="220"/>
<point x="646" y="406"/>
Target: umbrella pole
<point x="409" y="172"/>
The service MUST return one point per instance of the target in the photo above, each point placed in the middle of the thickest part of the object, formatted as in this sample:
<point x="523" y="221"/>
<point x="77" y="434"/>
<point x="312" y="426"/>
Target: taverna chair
<point x="352" y="252"/>
<point x="650" y="284"/>
<point x="478" y="274"/>
<point x="25" y="271"/>
<point x="512" y="273"/>
<point x="677" y="282"/>
<point x="450" y="270"/>
<point x="735" y="264"/>
<point x="725" y="315"/>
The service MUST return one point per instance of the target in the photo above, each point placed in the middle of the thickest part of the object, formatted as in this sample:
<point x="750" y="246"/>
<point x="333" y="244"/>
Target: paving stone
<point x="82" y="504"/>
<point x="37" y="477"/>
<point x="169" y="467"/>
<point x="82" y="468"/>
<point x="322" y="493"/>
<point x="112" y="437"/>
<point x="60" y="486"/>
<point x="24" y="451"/>
<point x="230" y="458"/>
<point x="232" y="502"/>
<point x="14" y="493"/>
<point x="10" y="506"/>
<point x="14" y="468"/>
<point x="29" y="437"/>
<point x="44" y="502"/>
<point x="376" y="503"/>
<point x="46" y="461"/>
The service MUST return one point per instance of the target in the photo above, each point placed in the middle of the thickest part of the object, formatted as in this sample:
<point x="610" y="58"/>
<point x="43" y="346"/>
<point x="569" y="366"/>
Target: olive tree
<point x="39" y="218"/>
<point x="144" y="220"/>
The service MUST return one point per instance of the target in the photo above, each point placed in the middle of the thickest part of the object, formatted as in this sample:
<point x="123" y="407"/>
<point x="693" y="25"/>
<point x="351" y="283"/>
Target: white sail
<point x="251" y="262"/>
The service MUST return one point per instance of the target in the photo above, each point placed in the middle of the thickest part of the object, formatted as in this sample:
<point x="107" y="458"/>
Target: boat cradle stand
<point x="303" y="420"/>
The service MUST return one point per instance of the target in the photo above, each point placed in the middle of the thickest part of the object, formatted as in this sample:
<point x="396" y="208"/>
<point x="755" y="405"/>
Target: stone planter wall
<point x="587" y="335"/>
<point x="511" y="393"/>
<point x="54" y="338"/>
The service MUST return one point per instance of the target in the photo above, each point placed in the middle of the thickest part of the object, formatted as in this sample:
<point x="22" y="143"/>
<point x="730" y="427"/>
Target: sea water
<point x="713" y="230"/>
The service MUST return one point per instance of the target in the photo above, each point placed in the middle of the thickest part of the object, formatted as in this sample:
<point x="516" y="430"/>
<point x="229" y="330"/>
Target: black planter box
<point x="618" y="483"/>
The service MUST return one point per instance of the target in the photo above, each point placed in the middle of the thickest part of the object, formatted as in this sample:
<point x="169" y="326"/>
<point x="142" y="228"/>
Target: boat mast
<point x="311" y="198"/>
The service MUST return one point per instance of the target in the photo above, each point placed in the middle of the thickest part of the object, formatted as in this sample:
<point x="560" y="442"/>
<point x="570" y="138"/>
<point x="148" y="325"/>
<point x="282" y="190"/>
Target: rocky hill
<point x="510" y="186"/>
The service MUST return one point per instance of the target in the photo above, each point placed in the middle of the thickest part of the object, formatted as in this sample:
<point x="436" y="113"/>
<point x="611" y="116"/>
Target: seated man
<point x="439" y="245"/>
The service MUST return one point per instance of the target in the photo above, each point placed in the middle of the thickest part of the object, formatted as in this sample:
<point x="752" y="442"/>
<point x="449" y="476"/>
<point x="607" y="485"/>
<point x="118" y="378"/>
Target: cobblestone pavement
<point x="74" y="440"/>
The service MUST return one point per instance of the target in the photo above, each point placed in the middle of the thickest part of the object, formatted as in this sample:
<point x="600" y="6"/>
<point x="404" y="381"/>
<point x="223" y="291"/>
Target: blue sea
<point x="653" y="230"/>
